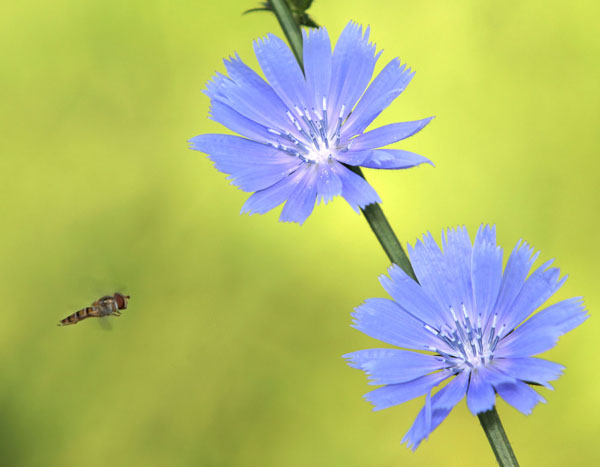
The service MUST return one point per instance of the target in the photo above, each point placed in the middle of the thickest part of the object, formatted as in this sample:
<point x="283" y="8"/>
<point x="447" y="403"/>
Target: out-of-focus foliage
<point x="229" y="353"/>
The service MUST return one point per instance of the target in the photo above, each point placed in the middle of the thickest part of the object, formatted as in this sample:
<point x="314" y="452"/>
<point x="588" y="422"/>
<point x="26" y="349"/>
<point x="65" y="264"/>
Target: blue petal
<point x="395" y="394"/>
<point x="541" y="331"/>
<point x="538" y="287"/>
<point x="514" y="392"/>
<point x="442" y="404"/>
<point x="388" y="134"/>
<point x="393" y="159"/>
<point x="516" y="270"/>
<point x="457" y="252"/>
<point x="236" y="122"/>
<point x="393" y="366"/>
<point x="353" y="157"/>
<point x="486" y="271"/>
<point x="530" y="369"/>
<point x="282" y="71"/>
<point x="433" y="274"/>
<point x="269" y="198"/>
<point x="519" y="395"/>
<point x="386" y="86"/>
<point x="383" y="319"/>
<point x="249" y="95"/>
<point x="355" y="189"/>
<point x="252" y="166"/>
<point x="480" y="395"/>
<point x="428" y="415"/>
<point x="317" y="65"/>
<point x="415" y="301"/>
<point x="353" y="64"/>
<point x="328" y="184"/>
<point x="301" y="202"/>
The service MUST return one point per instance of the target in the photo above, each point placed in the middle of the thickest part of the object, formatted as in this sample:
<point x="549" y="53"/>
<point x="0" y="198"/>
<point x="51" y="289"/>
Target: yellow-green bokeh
<point x="229" y="354"/>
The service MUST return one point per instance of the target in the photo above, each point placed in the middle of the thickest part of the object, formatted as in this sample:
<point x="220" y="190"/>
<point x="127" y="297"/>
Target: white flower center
<point x="468" y="345"/>
<point x="316" y="141"/>
<point x="320" y="155"/>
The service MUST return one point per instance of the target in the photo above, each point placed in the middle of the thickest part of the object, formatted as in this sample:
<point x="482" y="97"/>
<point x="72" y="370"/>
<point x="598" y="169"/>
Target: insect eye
<point x="121" y="301"/>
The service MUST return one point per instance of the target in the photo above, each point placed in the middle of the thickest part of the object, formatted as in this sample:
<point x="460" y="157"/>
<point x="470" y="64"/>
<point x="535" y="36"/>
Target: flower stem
<point x="490" y="422"/>
<point x="290" y="27"/>
<point x="385" y="234"/>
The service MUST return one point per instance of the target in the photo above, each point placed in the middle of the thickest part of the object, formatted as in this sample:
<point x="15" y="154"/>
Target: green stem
<point x="290" y="27"/>
<point x="490" y="422"/>
<point x="385" y="234"/>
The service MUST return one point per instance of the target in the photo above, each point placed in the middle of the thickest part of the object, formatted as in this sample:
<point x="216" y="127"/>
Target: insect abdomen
<point x="78" y="316"/>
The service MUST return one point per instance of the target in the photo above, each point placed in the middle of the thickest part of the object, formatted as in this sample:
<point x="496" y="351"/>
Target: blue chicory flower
<point x="467" y="320"/>
<point x="300" y="131"/>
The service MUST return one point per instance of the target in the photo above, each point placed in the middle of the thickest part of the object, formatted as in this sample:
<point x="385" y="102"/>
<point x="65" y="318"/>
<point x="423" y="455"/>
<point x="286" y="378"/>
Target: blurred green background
<point x="229" y="354"/>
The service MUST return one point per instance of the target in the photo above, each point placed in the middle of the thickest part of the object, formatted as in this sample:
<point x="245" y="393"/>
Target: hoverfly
<point x="105" y="306"/>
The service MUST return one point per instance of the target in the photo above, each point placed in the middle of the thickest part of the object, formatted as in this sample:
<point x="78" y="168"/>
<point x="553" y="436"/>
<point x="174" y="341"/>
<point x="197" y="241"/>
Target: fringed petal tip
<point x="349" y="358"/>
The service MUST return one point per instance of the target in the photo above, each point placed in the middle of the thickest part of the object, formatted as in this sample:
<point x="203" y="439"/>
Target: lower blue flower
<point x="470" y="323"/>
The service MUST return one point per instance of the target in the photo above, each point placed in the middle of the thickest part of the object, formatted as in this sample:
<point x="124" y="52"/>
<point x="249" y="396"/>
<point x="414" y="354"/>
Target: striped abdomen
<point x="90" y="311"/>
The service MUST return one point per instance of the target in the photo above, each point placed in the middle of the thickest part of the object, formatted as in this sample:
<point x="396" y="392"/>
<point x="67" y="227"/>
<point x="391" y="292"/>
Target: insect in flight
<point x="105" y="306"/>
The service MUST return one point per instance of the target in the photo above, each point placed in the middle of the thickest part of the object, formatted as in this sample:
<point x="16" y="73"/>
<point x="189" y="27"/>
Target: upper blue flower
<point x="466" y="318"/>
<point x="298" y="130"/>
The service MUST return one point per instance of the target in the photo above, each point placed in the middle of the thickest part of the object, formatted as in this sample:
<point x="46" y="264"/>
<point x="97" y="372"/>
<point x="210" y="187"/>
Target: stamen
<point x="473" y="348"/>
<point x="479" y="334"/>
<point x="447" y="358"/>
<point x="289" y="151"/>
<point x="322" y="133"/>
<point x="324" y="119"/>
<point x="497" y="338"/>
<point x="339" y="126"/>
<point x="444" y="338"/>
<point x="316" y="143"/>
<point x="458" y="325"/>
<point x="453" y="315"/>
<point x="467" y="320"/>
<point x="297" y="125"/>
<point x="309" y="122"/>
<point x="493" y="328"/>
<point x="289" y="137"/>
<point x="294" y="121"/>
<point x="470" y="330"/>
<point x="297" y="142"/>
<point x="461" y="347"/>
<point x="311" y="127"/>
